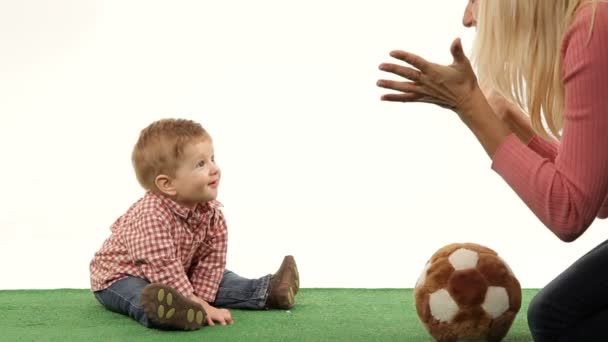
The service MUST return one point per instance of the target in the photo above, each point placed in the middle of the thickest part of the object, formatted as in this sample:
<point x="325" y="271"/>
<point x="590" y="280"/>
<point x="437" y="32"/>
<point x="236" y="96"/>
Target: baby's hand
<point x="221" y="316"/>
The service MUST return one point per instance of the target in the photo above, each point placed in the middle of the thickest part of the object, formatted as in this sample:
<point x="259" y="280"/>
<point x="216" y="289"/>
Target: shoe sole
<point x="166" y="307"/>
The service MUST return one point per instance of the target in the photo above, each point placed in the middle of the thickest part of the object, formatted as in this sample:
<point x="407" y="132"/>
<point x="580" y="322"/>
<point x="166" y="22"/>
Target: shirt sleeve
<point x="566" y="192"/>
<point x="152" y="249"/>
<point x="544" y="148"/>
<point x="210" y="263"/>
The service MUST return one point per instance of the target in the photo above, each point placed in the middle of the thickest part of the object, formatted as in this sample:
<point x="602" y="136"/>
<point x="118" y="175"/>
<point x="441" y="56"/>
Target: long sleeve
<point x="544" y="148"/>
<point x="152" y="248"/>
<point x="567" y="192"/>
<point x="209" y="262"/>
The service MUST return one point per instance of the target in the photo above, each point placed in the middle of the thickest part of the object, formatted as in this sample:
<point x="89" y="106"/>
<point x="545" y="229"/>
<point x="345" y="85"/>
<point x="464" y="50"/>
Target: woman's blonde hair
<point x="160" y="147"/>
<point x="517" y="51"/>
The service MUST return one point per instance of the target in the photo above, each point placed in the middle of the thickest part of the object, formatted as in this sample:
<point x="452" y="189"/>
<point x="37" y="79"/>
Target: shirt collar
<point x="186" y="213"/>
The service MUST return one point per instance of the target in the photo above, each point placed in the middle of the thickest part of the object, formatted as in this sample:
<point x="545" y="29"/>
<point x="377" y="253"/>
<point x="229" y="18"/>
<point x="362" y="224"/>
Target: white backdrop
<point x="362" y="192"/>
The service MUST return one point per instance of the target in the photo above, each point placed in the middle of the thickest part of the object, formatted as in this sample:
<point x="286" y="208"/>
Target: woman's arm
<point x="565" y="193"/>
<point x="519" y="123"/>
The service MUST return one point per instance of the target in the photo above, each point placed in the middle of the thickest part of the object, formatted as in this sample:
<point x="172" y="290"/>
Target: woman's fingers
<point x="411" y="91"/>
<point x="457" y="52"/>
<point x="444" y="85"/>
<point x="426" y="81"/>
<point x="422" y="66"/>
<point x="403" y="71"/>
<point x="405" y="97"/>
<point x="411" y="59"/>
<point x="406" y="87"/>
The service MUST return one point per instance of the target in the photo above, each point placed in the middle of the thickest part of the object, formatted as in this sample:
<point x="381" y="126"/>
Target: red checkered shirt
<point x="163" y="242"/>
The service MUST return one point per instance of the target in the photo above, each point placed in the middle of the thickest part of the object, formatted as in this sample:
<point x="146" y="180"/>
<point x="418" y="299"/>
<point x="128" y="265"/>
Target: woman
<point x="548" y="58"/>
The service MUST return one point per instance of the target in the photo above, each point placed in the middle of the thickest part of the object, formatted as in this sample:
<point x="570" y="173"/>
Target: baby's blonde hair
<point x="517" y="51"/>
<point x="160" y="147"/>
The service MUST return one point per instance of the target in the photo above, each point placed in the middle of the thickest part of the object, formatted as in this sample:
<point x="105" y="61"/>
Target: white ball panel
<point x="463" y="258"/>
<point x="496" y="302"/>
<point x="443" y="307"/>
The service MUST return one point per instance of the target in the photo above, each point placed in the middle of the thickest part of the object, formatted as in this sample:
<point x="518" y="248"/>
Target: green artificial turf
<point x="319" y="315"/>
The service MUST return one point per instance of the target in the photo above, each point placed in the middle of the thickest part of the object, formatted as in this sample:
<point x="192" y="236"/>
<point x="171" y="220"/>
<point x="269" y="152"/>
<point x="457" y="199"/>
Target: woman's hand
<point x="509" y="113"/>
<point x="499" y="104"/>
<point x="448" y="86"/>
<point x="453" y="86"/>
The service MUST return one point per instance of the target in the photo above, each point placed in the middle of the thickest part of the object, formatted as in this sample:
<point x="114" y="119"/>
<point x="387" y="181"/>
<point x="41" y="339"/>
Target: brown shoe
<point x="167" y="308"/>
<point x="284" y="285"/>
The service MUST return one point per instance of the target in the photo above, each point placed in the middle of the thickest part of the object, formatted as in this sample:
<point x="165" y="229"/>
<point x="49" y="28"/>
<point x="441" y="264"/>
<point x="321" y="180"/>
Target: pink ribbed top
<point x="566" y="184"/>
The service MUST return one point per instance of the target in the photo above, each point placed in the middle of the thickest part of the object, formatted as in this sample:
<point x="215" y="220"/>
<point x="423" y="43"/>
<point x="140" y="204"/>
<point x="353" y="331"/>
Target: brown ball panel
<point x="467" y="287"/>
<point x="422" y="298"/>
<point x="494" y="270"/>
<point x="514" y="290"/>
<point x="468" y="324"/>
<point x="472" y="323"/>
<point x="442" y="332"/>
<point x="438" y="274"/>
<point x="500" y="327"/>
<point x="473" y="313"/>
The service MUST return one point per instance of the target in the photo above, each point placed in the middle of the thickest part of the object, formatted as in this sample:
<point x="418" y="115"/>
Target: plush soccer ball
<point x="466" y="291"/>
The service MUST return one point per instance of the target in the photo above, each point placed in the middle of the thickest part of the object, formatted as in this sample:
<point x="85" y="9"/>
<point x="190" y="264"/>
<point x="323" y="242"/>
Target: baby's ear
<point x="164" y="184"/>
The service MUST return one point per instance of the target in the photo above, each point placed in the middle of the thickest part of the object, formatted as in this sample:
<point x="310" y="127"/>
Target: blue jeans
<point x="235" y="292"/>
<point x="574" y="306"/>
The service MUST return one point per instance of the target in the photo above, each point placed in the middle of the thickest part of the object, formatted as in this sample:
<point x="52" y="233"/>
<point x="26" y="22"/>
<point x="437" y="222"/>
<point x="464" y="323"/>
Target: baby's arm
<point x="152" y="248"/>
<point x="209" y="266"/>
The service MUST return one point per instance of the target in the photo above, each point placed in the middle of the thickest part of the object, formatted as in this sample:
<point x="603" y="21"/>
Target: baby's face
<point x="198" y="177"/>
